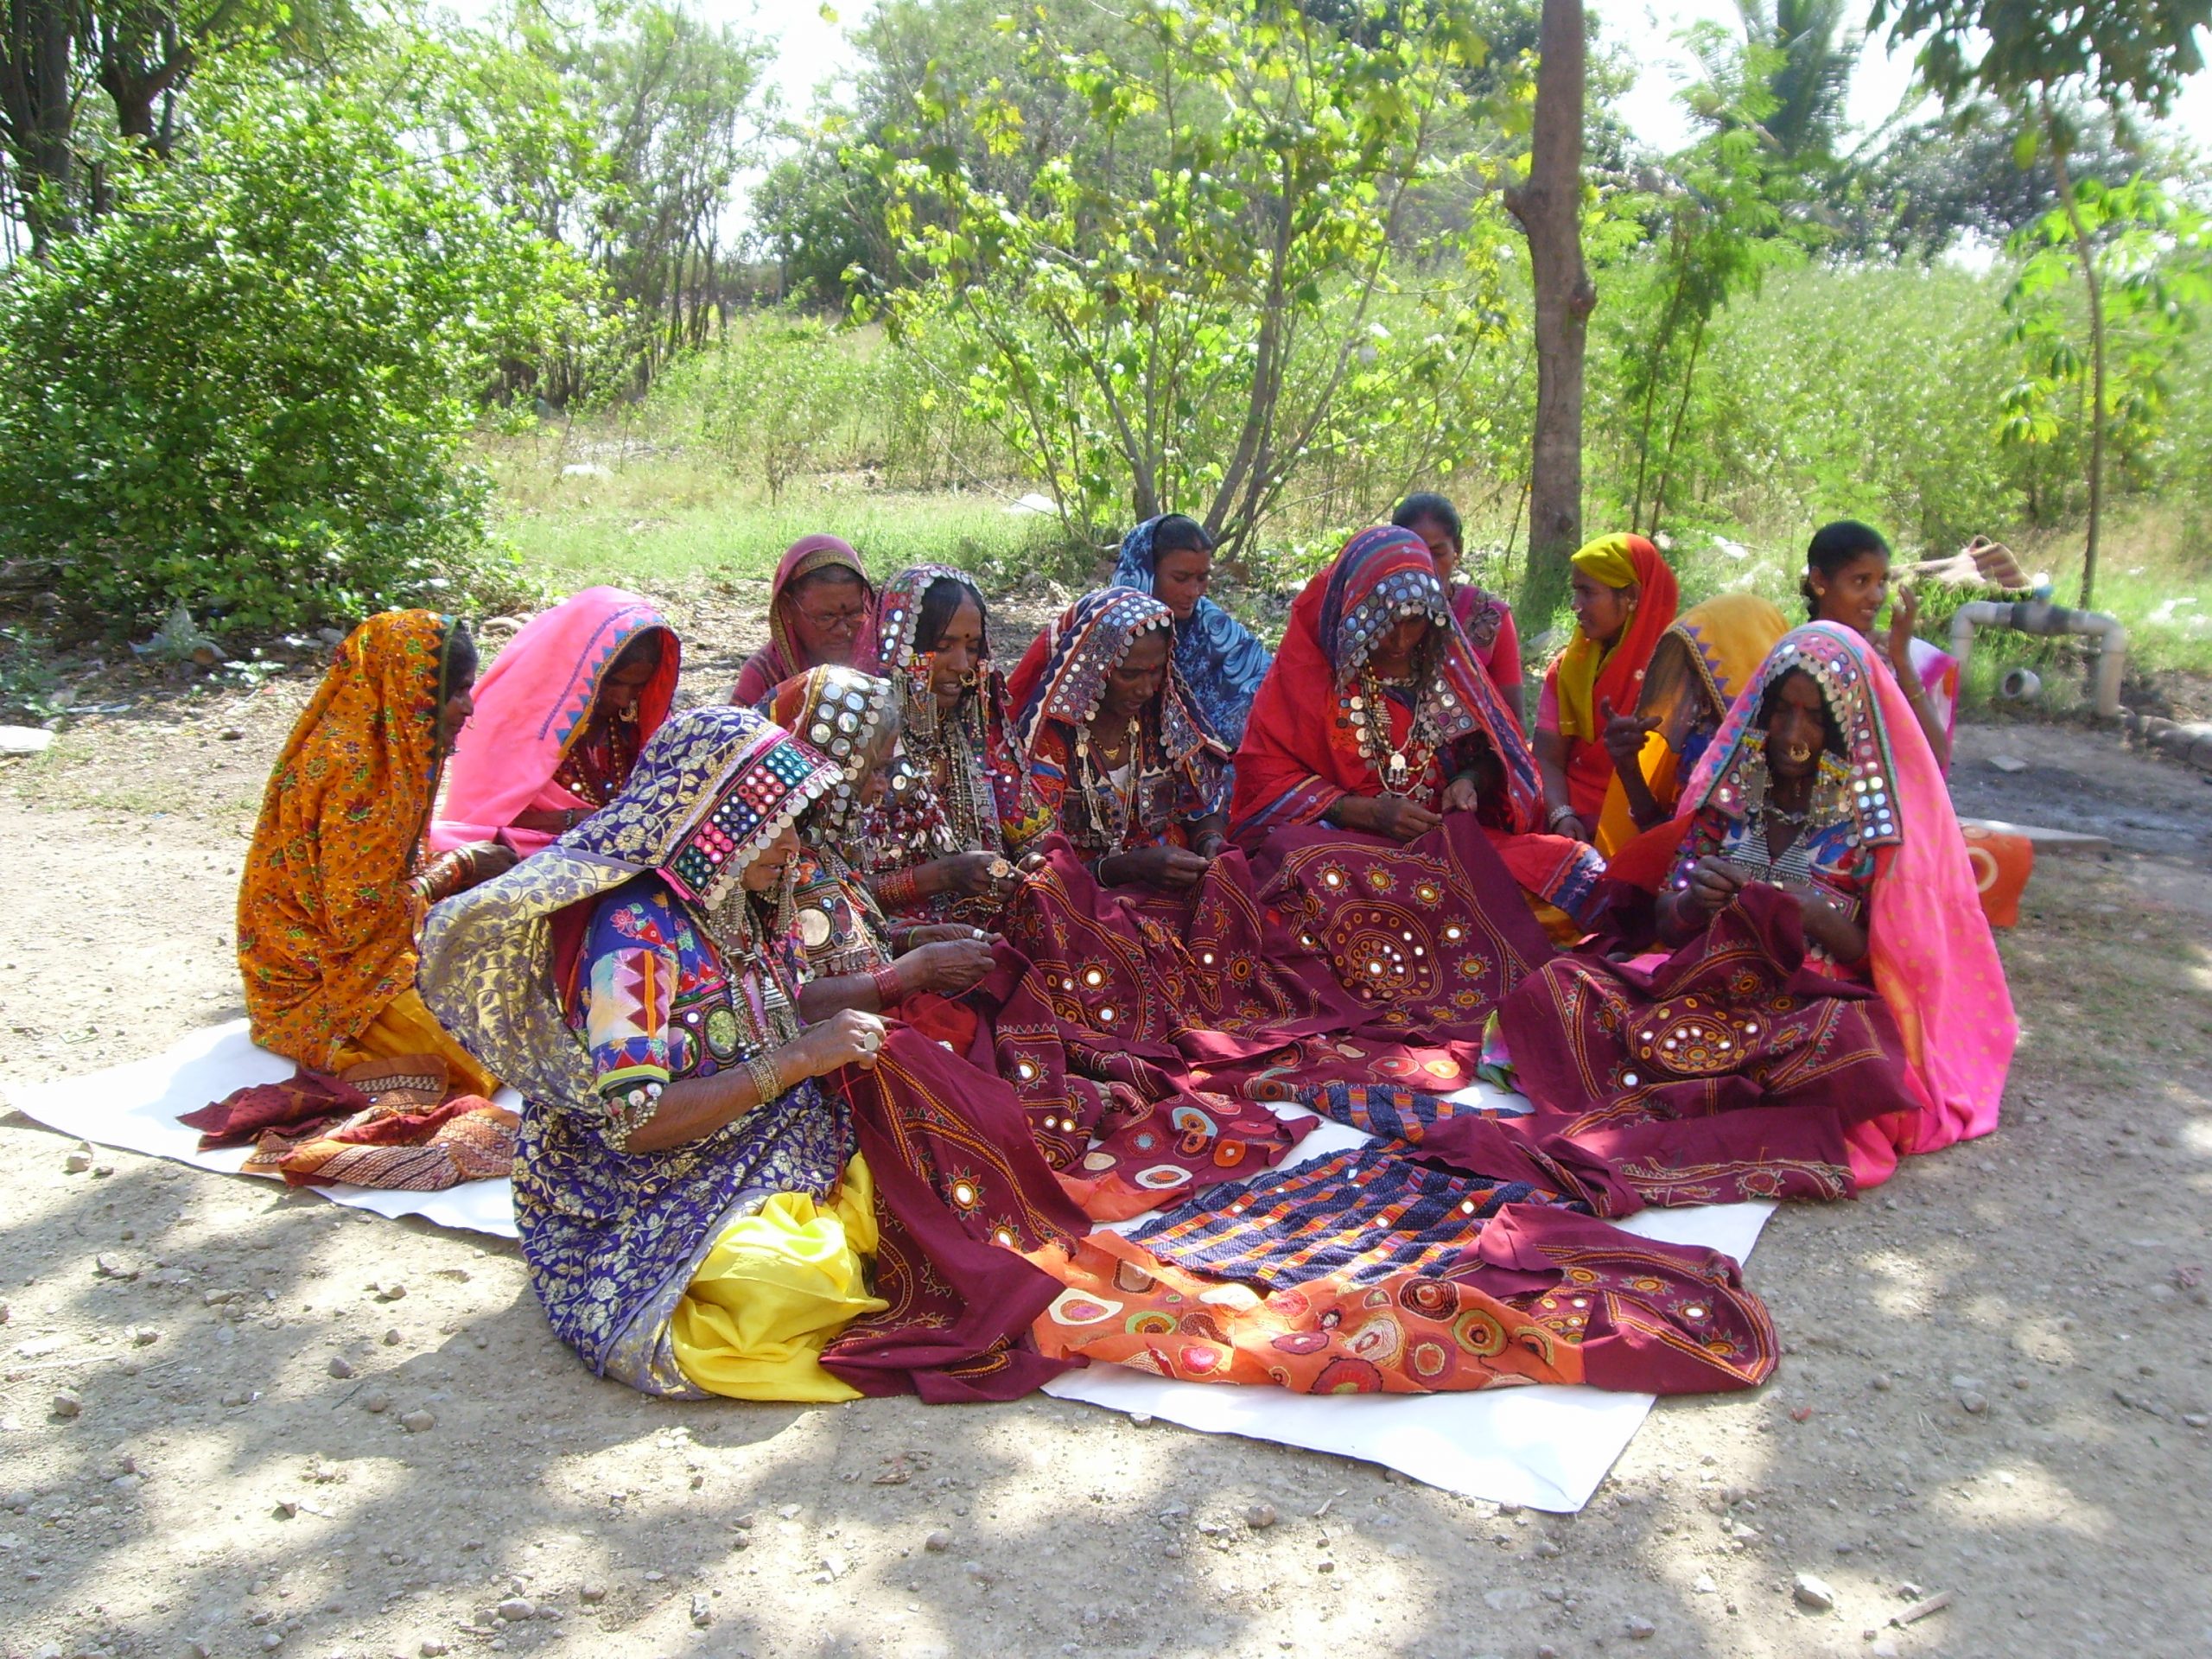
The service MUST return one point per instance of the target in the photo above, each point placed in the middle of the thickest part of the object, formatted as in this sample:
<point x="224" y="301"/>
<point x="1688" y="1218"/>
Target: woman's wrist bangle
<point x="766" y="1074"/>
<point x="888" y="991"/>
<point x="898" y="890"/>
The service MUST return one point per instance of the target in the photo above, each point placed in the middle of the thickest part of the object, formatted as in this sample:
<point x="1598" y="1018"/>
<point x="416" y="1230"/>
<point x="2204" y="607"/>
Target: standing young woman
<point x="1847" y="578"/>
<point x="1624" y="600"/>
<point x="1485" y="618"/>
<point x="1222" y="663"/>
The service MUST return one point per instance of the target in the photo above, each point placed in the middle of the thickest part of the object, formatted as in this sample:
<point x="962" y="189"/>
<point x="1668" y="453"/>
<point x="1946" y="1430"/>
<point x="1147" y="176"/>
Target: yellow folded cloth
<point x="773" y="1291"/>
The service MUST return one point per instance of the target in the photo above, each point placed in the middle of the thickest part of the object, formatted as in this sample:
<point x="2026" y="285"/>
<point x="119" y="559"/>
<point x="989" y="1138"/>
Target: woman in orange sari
<point x="336" y="881"/>
<point x="1624" y="599"/>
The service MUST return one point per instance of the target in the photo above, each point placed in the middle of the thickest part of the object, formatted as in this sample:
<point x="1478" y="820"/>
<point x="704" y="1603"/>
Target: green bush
<point x="245" y="389"/>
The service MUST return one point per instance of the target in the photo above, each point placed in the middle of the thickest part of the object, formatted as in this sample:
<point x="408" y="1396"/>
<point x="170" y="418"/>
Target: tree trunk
<point x="1550" y="207"/>
<point x="2085" y="251"/>
<point x="38" y="112"/>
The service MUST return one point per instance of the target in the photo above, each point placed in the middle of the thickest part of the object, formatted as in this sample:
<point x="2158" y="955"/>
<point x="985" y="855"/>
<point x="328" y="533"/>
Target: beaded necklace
<point x="1107" y="802"/>
<point x="1399" y="769"/>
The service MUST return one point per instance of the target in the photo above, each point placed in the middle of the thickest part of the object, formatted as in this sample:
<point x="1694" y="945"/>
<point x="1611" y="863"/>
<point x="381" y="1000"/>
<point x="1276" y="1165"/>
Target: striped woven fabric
<point x="1361" y="1215"/>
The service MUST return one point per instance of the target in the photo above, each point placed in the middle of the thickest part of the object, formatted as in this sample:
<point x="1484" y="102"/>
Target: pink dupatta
<point x="533" y="702"/>
<point x="1933" y="958"/>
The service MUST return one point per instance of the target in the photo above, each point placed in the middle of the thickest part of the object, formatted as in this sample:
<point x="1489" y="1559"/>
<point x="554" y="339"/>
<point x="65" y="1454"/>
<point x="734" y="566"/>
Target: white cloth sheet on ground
<point x="135" y="1108"/>
<point x="1544" y="1446"/>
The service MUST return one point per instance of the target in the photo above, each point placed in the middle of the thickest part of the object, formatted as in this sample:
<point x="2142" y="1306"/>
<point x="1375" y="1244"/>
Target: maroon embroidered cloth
<point x="1730" y="1069"/>
<point x="959" y="1190"/>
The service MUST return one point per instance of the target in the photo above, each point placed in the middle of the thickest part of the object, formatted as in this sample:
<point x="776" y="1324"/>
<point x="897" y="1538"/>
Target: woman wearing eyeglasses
<point x="821" y="611"/>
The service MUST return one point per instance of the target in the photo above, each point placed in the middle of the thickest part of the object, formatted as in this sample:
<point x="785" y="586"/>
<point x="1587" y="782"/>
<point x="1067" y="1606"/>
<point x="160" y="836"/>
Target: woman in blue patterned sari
<point x="693" y="1211"/>
<point x="1222" y="663"/>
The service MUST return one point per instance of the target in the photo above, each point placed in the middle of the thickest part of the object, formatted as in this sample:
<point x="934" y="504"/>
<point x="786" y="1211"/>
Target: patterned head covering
<point x="1382" y="577"/>
<point x="711" y="790"/>
<point x="1084" y="646"/>
<point x="535" y="703"/>
<point x="1299" y="752"/>
<point x="326" y="916"/>
<point x="1833" y="657"/>
<point x="898" y="615"/>
<point x="842" y="713"/>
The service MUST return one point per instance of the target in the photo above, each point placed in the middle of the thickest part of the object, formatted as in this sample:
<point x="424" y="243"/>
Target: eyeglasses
<point x="833" y="621"/>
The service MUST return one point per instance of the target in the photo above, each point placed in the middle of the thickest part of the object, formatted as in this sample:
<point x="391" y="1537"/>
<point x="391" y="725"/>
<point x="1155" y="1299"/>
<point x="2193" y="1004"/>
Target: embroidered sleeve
<point x="1706" y="835"/>
<point x="629" y="983"/>
<point x="1206" y="781"/>
<point x="836" y="937"/>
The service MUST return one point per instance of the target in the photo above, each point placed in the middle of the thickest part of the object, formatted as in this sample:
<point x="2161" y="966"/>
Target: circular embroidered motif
<point x="1689" y="1039"/>
<point x="721" y="1033"/>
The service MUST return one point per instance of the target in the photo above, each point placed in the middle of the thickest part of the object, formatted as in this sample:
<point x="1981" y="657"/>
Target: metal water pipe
<point x="2040" y="616"/>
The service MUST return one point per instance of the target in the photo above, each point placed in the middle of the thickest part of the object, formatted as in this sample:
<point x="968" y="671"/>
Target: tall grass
<point x="654" y="515"/>
<point x="1863" y="393"/>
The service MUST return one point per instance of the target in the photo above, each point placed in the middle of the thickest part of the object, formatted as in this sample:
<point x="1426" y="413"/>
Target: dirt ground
<point x="236" y="1420"/>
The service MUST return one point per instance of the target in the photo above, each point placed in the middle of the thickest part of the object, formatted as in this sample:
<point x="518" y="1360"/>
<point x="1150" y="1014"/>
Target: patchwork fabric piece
<point x="1361" y="1215"/>
<point x="1544" y="1297"/>
<point x="1429" y="936"/>
<point x="1733" y="1019"/>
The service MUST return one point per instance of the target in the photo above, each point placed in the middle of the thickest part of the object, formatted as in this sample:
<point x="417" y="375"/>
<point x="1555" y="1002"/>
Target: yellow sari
<point x="1699" y="665"/>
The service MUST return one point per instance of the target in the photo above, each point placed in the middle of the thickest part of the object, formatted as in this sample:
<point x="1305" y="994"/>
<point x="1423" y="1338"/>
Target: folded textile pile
<point x="382" y="1123"/>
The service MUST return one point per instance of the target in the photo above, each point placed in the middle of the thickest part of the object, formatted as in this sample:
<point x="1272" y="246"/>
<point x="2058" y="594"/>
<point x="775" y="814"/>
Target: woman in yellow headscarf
<point x="1624" y="600"/>
<point x="1703" y="660"/>
<point x="336" y="880"/>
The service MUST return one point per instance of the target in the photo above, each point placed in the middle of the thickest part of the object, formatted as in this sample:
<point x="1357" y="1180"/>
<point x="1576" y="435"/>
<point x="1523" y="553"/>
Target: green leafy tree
<point x="58" y="57"/>
<point x="1722" y="222"/>
<point x="2153" y="256"/>
<point x="1926" y="185"/>
<point x="2041" y="61"/>
<point x="1189" y="314"/>
<point x="247" y="390"/>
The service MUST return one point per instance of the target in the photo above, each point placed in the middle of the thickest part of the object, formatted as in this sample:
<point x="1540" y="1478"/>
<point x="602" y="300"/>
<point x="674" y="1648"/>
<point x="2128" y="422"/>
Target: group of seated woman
<point x="786" y="990"/>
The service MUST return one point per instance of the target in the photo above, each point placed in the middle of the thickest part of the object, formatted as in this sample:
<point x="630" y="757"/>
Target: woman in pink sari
<point x="1833" y="960"/>
<point x="560" y="718"/>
